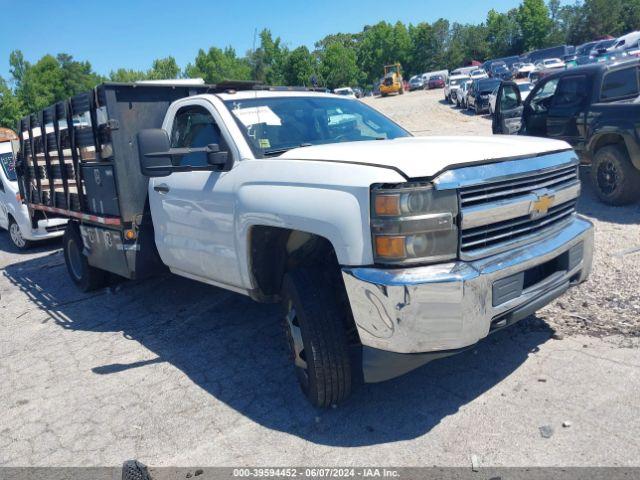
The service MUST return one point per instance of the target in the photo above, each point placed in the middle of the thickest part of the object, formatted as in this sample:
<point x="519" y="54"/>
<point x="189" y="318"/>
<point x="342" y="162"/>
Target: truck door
<point x="507" y="118"/>
<point x="536" y="108"/>
<point x="568" y="105"/>
<point x="193" y="212"/>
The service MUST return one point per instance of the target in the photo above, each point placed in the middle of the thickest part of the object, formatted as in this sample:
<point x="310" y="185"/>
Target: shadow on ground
<point x="234" y="349"/>
<point x="37" y="247"/>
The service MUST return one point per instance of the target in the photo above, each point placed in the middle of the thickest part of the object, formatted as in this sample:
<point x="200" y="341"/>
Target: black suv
<point x="594" y="108"/>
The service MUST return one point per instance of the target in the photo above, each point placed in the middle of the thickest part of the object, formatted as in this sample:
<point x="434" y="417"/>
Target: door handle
<point x="162" y="188"/>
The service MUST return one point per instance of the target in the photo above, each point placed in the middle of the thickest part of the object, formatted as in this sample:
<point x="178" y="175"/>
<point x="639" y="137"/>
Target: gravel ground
<point x="609" y="302"/>
<point x="177" y="373"/>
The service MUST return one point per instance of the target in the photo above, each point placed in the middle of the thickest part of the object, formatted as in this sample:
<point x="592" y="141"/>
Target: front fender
<point x="330" y="200"/>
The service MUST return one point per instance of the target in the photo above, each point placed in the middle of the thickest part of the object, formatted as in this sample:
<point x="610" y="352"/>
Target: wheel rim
<point x="75" y="262"/>
<point x="294" y="334"/>
<point x="16" y="235"/>
<point x="608" y="177"/>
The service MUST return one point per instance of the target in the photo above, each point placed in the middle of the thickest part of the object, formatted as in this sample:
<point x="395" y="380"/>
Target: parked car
<point x="524" y="69"/>
<point x="345" y="92"/>
<point x="585" y="48"/>
<point x="452" y="85"/>
<point x="495" y="65"/>
<point x="500" y="72"/>
<point x="23" y="229"/>
<point x="461" y="94"/>
<point x="463" y="71"/>
<point x="381" y="261"/>
<point x="595" y="108"/>
<point x="442" y="73"/>
<point x="416" y="83"/>
<point x="436" y="81"/>
<point x="477" y="74"/>
<point x="550" y="63"/>
<point x="478" y="94"/>
<point x="601" y="47"/>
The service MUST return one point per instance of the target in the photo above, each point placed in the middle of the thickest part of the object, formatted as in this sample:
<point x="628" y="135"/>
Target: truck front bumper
<point x="407" y="317"/>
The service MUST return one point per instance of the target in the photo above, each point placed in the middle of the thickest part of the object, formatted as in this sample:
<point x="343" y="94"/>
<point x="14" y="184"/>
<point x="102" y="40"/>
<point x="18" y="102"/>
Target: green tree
<point x="534" y="21"/>
<point x="376" y="50"/>
<point x="503" y="34"/>
<point x="50" y="79"/>
<point x="338" y="66"/>
<point x="164" y="68"/>
<point x="11" y="109"/>
<point x="298" y="67"/>
<point x="217" y="65"/>
<point x="630" y="15"/>
<point x="126" y="75"/>
<point x="267" y="61"/>
<point x="603" y="17"/>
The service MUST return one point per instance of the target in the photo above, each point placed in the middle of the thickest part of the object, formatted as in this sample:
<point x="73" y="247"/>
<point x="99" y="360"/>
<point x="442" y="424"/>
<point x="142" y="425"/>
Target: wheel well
<point x="273" y="251"/>
<point x="607" y="139"/>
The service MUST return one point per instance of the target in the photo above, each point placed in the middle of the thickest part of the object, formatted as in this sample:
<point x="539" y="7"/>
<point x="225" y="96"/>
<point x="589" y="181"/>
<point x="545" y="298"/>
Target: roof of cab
<point x="248" y="94"/>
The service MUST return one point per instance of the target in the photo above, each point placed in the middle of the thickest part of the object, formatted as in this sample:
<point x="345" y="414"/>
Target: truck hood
<point x="425" y="157"/>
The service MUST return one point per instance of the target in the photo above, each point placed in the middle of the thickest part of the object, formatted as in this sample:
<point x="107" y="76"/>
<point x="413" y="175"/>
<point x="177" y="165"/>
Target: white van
<point x="626" y="42"/>
<point x="14" y="215"/>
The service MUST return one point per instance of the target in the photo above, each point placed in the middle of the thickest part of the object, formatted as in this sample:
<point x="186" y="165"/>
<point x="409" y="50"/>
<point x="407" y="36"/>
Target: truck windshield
<point x="274" y="125"/>
<point x="8" y="165"/>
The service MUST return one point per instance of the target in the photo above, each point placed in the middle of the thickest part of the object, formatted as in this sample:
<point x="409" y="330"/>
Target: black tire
<point x="317" y="336"/>
<point x="86" y="277"/>
<point x="615" y="179"/>
<point x="15" y="234"/>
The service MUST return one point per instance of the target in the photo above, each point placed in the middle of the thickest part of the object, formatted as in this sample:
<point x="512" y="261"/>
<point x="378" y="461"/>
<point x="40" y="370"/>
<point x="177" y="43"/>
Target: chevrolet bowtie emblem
<point x="541" y="206"/>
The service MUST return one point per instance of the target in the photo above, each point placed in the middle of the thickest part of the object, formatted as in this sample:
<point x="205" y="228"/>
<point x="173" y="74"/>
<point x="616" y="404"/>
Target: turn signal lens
<point x="387" y="205"/>
<point x="390" y="247"/>
<point x="130" y="234"/>
<point x="19" y="198"/>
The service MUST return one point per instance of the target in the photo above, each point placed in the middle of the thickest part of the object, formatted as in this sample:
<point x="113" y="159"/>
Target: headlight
<point x="413" y="223"/>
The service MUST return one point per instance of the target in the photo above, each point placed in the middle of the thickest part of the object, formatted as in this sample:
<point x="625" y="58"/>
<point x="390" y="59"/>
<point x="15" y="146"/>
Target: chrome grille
<point x="497" y="233"/>
<point x="499" y="215"/>
<point x="513" y="187"/>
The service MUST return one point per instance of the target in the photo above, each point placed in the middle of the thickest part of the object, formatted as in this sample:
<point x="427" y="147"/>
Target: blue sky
<point x="130" y="34"/>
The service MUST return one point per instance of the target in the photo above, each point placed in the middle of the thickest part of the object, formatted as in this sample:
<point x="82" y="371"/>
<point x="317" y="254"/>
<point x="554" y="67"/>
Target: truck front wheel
<point x="317" y="336"/>
<point x="614" y="177"/>
<point x="85" y="276"/>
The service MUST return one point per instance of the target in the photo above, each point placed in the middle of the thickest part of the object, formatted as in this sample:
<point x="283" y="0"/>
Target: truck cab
<point x="385" y="251"/>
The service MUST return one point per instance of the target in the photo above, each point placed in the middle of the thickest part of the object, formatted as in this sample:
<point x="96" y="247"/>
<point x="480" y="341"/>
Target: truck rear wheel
<point x="85" y="276"/>
<point x="616" y="180"/>
<point x="317" y="337"/>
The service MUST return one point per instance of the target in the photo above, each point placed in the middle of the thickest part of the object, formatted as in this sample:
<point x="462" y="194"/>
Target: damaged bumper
<point x="407" y="317"/>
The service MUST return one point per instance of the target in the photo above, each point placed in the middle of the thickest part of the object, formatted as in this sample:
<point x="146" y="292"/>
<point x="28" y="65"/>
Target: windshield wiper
<point x="279" y="151"/>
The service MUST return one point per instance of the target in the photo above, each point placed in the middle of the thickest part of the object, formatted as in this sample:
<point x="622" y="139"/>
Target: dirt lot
<point x="177" y="373"/>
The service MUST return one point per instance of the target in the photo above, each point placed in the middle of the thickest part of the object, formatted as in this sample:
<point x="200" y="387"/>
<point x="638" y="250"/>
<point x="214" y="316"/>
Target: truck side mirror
<point x="217" y="158"/>
<point x="154" y="152"/>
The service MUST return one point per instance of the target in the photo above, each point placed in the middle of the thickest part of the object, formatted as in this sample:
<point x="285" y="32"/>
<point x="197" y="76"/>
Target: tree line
<point x="342" y="59"/>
